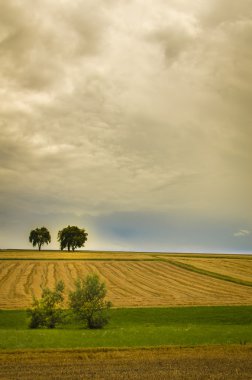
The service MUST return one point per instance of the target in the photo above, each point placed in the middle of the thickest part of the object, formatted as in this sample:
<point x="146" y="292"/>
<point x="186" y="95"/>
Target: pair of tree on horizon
<point x="70" y="237"/>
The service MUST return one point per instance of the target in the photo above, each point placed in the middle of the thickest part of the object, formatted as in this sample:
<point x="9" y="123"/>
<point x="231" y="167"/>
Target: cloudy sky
<point x="130" y="118"/>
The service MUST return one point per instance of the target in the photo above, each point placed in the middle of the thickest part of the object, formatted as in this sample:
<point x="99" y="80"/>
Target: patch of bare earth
<point x="219" y="362"/>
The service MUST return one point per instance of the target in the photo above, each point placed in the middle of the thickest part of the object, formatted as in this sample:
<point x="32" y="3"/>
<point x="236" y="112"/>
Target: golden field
<point x="132" y="279"/>
<point x="239" y="268"/>
<point x="76" y="255"/>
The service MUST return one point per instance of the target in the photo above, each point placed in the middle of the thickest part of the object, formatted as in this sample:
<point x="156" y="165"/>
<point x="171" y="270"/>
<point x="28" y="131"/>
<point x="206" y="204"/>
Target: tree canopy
<point x="72" y="237"/>
<point x="39" y="237"/>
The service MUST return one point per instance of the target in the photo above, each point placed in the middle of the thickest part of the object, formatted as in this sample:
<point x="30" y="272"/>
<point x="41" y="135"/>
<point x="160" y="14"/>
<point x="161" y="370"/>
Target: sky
<point x="129" y="118"/>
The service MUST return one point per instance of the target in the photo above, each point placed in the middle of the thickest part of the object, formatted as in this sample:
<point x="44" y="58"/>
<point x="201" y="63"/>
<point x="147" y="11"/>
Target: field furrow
<point x="129" y="283"/>
<point x="236" y="268"/>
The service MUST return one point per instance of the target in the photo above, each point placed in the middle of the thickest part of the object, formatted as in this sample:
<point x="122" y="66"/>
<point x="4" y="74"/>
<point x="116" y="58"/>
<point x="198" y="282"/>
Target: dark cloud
<point x="223" y="11"/>
<point x="115" y="107"/>
<point x="175" y="34"/>
<point x="174" y="42"/>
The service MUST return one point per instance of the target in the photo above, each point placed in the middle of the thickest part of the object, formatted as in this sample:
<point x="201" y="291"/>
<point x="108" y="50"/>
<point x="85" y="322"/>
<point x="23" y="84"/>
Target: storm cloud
<point x="122" y="108"/>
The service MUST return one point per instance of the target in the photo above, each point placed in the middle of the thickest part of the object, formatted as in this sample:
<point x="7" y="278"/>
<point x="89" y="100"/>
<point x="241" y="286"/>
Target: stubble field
<point x="240" y="268"/>
<point x="132" y="279"/>
<point x="226" y="363"/>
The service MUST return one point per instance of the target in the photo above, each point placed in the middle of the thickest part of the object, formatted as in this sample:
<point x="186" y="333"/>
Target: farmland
<point x="133" y="280"/>
<point x="227" y="363"/>
<point x="150" y="343"/>
<point x="176" y="315"/>
<point x="76" y="255"/>
<point x="240" y="268"/>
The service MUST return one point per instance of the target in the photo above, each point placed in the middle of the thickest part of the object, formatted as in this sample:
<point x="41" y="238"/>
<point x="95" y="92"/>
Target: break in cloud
<point x="117" y="111"/>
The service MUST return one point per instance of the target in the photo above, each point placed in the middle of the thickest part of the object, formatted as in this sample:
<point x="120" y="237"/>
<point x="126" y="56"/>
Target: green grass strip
<point x="135" y="327"/>
<point x="219" y="276"/>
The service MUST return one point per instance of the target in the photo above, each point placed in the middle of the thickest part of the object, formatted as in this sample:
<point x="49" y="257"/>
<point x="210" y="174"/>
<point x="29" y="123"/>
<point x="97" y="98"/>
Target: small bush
<point x="46" y="312"/>
<point x="87" y="302"/>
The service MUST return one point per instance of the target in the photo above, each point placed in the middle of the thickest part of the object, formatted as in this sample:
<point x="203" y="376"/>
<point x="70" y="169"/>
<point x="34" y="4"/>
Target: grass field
<point x="132" y="279"/>
<point x="136" y="327"/>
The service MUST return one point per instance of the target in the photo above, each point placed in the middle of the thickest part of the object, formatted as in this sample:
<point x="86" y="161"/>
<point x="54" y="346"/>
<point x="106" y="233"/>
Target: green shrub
<point x="46" y="312"/>
<point x="87" y="302"/>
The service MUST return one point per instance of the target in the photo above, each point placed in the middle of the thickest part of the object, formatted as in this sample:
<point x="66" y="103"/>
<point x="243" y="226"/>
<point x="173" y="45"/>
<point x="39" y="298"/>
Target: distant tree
<point x="87" y="302"/>
<point x="46" y="312"/>
<point x="39" y="237"/>
<point x="72" y="237"/>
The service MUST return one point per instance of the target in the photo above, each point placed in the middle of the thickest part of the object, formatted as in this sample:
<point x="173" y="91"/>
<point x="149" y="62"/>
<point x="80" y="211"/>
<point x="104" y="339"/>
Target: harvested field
<point x="77" y="255"/>
<point x="109" y="255"/>
<point x="237" y="268"/>
<point x="233" y="362"/>
<point x="129" y="283"/>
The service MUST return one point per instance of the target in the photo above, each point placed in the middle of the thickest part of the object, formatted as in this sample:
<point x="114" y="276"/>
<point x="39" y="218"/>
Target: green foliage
<point x="181" y="326"/>
<point x="39" y="237"/>
<point x="46" y="312"/>
<point x="87" y="302"/>
<point x="72" y="237"/>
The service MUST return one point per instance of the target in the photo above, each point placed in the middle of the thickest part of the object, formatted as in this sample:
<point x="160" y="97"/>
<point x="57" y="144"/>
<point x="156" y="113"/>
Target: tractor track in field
<point x="129" y="283"/>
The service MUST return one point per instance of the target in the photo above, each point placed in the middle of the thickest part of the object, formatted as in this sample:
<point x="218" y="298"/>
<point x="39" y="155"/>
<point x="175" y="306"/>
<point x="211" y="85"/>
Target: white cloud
<point x="242" y="233"/>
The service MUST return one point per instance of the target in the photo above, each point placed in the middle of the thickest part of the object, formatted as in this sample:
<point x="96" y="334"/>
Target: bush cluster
<point x="87" y="304"/>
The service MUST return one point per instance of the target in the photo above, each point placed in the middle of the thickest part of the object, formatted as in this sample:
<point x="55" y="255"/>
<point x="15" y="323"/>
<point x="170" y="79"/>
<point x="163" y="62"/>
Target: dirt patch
<point x="217" y="362"/>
